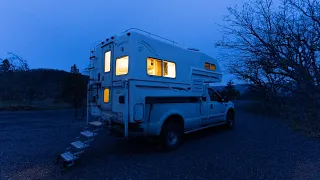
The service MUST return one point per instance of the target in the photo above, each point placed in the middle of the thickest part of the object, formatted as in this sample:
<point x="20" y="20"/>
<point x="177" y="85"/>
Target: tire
<point x="230" y="120"/>
<point x="171" y="136"/>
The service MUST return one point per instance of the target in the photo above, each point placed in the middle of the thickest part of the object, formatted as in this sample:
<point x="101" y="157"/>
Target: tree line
<point x="229" y="92"/>
<point x="19" y="83"/>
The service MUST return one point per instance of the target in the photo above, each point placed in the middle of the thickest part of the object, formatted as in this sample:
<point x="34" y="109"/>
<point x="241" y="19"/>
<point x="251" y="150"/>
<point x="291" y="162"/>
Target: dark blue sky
<point x="57" y="34"/>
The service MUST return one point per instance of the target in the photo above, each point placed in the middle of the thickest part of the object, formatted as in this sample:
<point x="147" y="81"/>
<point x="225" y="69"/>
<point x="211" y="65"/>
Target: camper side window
<point x="209" y="66"/>
<point x="154" y="67"/>
<point x="169" y="69"/>
<point x="157" y="67"/>
<point x="122" y="64"/>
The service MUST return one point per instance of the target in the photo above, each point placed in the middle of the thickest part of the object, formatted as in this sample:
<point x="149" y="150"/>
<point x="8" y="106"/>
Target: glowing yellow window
<point x="107" y="61"/>
<point x="154" y="67"/>
<point x="169" y="69"/>
<point x="122" y="65"/>
<point x="207" y="66"/>
<point x="212" y="67"/>
<point x="106" y="95"/>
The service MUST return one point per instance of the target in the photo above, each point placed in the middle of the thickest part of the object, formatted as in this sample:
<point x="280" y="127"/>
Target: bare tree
<point x="275" y="47"/>
<point x="74" y="69"/>
<point x="5" y="66"/>
<point x="17" y="62"/>
<point x="12" y="63"/>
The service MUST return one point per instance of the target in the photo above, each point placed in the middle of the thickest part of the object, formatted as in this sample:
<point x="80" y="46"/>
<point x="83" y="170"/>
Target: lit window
<point x="207" y="66"/>
<point x="212" y="67"/>
<point x="106" y="95"/>
<point x="154" y="67"/>
<point x="169" y="69"/>
<point x="122" y="65"/>
<point x="107" y="61"/>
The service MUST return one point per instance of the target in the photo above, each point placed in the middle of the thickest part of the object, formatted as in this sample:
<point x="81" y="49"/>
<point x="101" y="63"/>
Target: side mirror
<point x="224" y="100"/>
<point x="221" y="100"/>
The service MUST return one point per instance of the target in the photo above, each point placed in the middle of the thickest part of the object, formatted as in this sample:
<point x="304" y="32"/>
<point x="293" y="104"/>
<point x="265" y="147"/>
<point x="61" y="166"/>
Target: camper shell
<point x="150" y="67"/>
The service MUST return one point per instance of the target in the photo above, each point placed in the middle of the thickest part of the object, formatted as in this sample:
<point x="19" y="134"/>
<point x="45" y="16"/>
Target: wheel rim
<point x="172" y="138"/>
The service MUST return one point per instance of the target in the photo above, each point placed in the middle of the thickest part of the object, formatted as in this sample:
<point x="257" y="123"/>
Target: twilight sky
<point x="56" y="34"/>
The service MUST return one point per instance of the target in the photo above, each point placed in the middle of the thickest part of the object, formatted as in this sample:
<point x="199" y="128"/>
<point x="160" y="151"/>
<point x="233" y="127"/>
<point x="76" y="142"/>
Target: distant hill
<point x="40" y="85"/>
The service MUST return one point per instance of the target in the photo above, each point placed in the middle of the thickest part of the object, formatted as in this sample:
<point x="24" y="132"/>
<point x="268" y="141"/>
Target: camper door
<point x="106" y="77"/>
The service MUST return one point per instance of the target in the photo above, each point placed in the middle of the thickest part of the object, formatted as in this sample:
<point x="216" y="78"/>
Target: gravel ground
<point x="258" y="148"/>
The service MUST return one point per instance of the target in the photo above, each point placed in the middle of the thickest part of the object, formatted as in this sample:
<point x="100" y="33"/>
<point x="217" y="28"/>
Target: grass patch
<point x="32" y="106"/>
<point x="306" y="123"/>
<point x="256" y="107"/>
<point x="310" y="127"/>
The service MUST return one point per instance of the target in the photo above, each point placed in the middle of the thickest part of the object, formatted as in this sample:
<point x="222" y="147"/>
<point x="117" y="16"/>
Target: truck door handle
<point x="211" y="106"/>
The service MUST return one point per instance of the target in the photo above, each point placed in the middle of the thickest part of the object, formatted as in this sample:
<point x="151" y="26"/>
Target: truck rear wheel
<point x="171" y="136"/>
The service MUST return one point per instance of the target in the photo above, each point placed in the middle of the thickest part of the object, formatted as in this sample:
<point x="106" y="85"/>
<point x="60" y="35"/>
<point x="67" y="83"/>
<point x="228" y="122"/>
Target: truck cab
<point x="217" y="107"/>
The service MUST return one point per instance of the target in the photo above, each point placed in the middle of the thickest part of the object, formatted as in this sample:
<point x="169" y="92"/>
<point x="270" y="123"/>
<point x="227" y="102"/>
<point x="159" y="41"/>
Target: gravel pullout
<point x="257" y="148"/>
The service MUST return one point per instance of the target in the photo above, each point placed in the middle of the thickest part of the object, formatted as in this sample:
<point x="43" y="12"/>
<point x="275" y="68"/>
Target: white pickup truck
<point x="141" y="85"/>
<point x="170" y="118"/>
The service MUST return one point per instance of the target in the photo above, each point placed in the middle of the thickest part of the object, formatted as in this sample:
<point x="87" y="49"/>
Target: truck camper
<point x="142" y="84"/>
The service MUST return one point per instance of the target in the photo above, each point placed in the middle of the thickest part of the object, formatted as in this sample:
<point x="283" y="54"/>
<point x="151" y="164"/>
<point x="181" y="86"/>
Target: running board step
<point x="88" y="134"/>
<point x="79" y="144"/>
<point x="96" y="123"/>
<point x="68" y="156"/>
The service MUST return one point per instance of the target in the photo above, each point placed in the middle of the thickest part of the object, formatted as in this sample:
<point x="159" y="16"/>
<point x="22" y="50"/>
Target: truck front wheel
<point x="230" y="120"/>
<point x="171" y="136"/>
